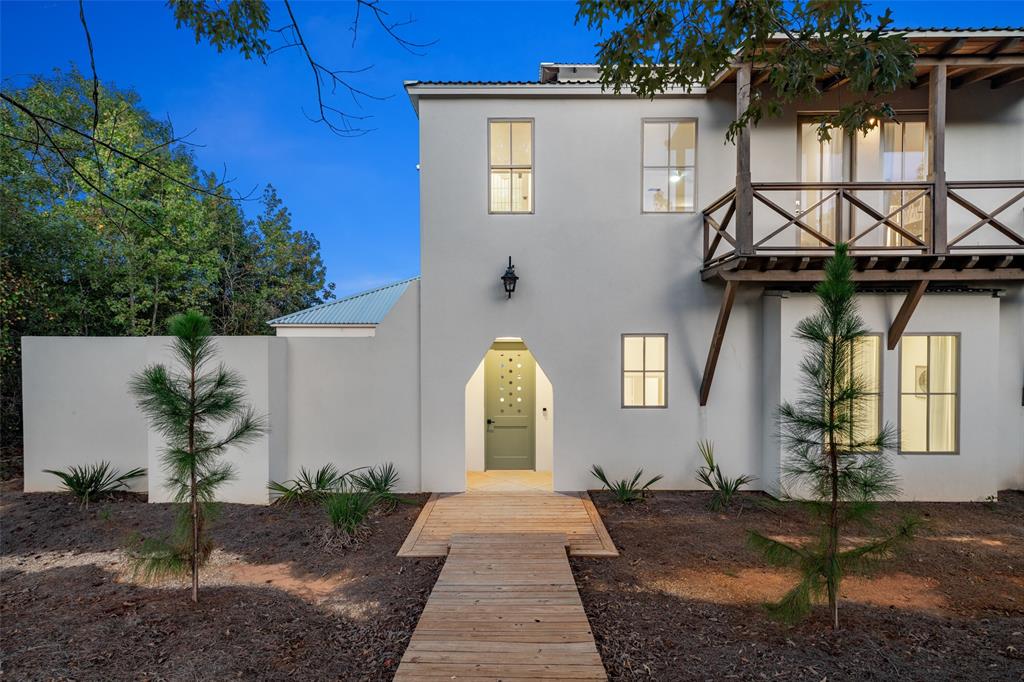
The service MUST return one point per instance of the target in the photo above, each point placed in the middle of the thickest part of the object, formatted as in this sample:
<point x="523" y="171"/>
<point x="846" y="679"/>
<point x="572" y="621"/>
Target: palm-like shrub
<point x="187" y="407"/>
<point x="348" y="508"/>
<point x="94" y="481"/>
<point x="381" y="481"/>
<point x="310" y="487"/>
<point x="839" y="472"/>
<point x="625" y="490"/>
<point x="723" y="488"/>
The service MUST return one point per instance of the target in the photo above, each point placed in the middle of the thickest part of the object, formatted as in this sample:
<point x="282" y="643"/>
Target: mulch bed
<point x="684" y="599"/>
<point x="67" y="614"/>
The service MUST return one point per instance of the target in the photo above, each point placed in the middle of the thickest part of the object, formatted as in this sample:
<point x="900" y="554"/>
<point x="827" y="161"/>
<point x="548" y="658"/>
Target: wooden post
<point x="716" y="341"/>
<point x="937" y="156"/>
<point x="744" y="192"/>
<point x="906" y="311"/>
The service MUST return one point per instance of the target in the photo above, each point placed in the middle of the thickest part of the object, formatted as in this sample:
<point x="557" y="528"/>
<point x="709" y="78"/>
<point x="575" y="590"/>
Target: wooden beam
<point x="948" y="47"/>
<point x="762" y="77"/>
<point x="1003" y="46"/>
<point x="974" y="60"/>
<point x="744" y="190"/>
<point x="906" y="310"/>
<point x="716" y="341"/>
<point x="974" y="76"/>
<point x="877" y="276"/>
<point x="1009" y="78"/>
<point x="937" y="156"/>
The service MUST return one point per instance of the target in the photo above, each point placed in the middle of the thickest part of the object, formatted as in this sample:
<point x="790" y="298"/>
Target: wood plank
<point x="899" y="324"/>
<point x="937" y="155"/>
<point x="508" y="618"/>
<point x="716" y="341"/>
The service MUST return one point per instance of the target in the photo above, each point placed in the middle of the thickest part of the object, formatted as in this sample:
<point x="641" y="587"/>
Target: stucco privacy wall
<point x="77" y="409"/>
<point x="991" y="455"/>
<point x="351" y="401"/>
<point x="355" y="401"/>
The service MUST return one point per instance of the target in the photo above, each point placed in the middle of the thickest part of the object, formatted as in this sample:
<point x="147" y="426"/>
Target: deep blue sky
<point x="359" y="196"/>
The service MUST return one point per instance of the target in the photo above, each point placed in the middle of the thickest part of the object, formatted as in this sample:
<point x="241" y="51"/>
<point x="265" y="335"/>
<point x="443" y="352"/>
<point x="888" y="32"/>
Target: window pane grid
<point x="510" y="161"/>
<point x="644" y="372"/>
<point x="929" y="409"/>
<point x="669" y="166"/>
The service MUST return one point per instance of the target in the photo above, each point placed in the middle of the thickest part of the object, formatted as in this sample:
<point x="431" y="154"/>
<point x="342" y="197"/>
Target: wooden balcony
<point x="894" y="231"/>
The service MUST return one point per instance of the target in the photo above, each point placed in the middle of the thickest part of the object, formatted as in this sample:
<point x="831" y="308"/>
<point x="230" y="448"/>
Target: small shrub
<point x="93" y="481"/>
<point x="310" y="487"/>
<point x="381" y="481"/>
<point x="625" y="490"/>
<point x="723" y="487"/>
<point x="347" y="510"/>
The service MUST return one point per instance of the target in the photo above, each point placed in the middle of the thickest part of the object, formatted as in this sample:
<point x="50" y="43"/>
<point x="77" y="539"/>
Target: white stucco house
<point x="661" y="273"/>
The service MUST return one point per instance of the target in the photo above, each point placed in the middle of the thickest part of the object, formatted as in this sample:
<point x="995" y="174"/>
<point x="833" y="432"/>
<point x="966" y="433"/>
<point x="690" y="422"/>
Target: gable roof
<point x="366" y="308"/>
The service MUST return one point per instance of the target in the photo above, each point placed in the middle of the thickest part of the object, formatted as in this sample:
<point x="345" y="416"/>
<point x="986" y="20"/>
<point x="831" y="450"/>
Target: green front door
<point x="509" y="410"/>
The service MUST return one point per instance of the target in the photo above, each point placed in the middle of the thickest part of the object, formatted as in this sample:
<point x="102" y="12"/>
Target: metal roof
<point x="368" y="307"/>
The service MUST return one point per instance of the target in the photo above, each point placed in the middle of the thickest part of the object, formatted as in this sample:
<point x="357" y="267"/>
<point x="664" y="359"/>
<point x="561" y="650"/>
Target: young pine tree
<point x="835" y="459"/>
<point x="187" y="407"/>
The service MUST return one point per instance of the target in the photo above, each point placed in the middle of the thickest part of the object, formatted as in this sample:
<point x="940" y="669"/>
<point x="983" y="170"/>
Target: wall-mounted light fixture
<point x="510" y="278"/>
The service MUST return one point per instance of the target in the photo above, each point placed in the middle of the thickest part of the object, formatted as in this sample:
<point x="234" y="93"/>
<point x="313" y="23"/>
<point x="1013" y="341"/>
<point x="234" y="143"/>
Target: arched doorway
<point x="509" y="420"/>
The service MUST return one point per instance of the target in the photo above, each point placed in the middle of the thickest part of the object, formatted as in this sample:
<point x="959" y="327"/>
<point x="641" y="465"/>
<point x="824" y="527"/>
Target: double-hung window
<point x="669" y="166"/>
<point x="644" y="370"/>
<point x="510" y="166"/>
<point x="929" y="393"/>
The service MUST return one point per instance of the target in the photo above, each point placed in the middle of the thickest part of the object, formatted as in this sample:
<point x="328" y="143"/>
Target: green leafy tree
<point x="836" y="464"/>
<point x="652" y="46"/>
<point x="187" y="408"/>
<point x="73" y="261"/>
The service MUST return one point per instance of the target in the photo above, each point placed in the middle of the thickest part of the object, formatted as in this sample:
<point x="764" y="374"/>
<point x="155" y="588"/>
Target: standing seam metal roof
<point x="368" y="307"/>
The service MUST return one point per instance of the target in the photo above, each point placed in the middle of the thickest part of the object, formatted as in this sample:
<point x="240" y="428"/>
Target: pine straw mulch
<point x="272" y="605"/>
<point x="684" y="599"/>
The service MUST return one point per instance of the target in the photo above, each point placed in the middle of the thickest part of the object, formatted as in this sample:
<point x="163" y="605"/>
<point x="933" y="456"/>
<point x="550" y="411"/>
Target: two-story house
<point x="661" y="274"/>
<point x="662" y="270"/>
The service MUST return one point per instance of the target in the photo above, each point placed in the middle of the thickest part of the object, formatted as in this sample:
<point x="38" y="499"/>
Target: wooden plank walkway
<point x="505" y="607"/>
<point x="570" y="514"/>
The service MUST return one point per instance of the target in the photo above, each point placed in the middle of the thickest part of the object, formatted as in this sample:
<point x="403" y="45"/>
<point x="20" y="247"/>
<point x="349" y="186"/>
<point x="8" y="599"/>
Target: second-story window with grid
<point x="510" y="165"/>
<point x="670" y="166"/>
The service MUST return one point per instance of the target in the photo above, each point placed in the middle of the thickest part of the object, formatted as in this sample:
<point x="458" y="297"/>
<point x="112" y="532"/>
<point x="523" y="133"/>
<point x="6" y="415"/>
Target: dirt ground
<point x="684" y="601"/>
<point x="272" y="606"/>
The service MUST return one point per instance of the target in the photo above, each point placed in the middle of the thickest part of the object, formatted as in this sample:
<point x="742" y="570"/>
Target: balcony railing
<point x="872" y="217"/>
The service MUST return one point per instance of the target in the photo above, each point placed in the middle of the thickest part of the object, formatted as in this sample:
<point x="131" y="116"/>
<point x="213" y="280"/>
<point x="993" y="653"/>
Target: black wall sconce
<point x="510" y="278"/>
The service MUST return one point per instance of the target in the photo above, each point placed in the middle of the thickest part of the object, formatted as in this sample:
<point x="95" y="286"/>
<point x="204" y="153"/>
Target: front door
<point x="509" y="377"/>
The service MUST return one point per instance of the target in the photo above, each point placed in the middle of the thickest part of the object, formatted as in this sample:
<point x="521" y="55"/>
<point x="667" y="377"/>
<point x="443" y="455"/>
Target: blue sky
<point x="359" y="196"/>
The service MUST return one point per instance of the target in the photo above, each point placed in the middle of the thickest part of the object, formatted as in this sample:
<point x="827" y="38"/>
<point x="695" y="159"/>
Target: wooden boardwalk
<point x="505" y="607"/>
<point x="571" y="515"/>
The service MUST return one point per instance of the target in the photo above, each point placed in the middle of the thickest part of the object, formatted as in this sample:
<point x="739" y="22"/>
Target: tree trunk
<point x="832" y="577"/>
<point x="193" y="497"/>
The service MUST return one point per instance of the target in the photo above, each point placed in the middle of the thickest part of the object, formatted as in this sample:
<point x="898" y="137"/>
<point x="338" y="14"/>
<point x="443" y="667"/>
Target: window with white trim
<point x="510" y="166"/>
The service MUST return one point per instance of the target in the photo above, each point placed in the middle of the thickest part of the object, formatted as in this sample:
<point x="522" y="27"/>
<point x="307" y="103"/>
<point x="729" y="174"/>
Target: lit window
<point x="929" y="393"/>
<point x="866" y="367"/>
<point x="643" y="370"/>
<point x="511" y="166"/>
<point x="670" y="161"/>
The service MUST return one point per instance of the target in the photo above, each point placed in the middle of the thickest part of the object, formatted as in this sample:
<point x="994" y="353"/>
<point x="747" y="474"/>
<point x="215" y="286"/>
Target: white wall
<point x="990" y="456"/>
<point x="77" y="409"/>
<point x="355" y="401"/>
<point x="351" y="401"/>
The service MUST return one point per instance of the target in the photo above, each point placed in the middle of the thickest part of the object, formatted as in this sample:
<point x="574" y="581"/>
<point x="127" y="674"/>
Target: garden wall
<point x="351" y="401"/>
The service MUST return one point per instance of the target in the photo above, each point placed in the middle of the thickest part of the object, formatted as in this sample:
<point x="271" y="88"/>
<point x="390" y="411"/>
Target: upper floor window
<point x="670" y="164"/>
<point x="929" y="393"/>
<point x="643" y="370"/>
<point x="510" y="166"/>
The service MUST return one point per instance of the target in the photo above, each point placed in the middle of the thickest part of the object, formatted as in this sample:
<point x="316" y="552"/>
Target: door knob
<point x="490" y="421"/>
